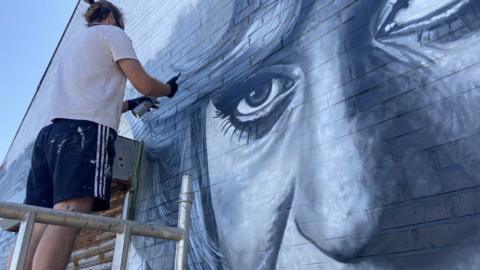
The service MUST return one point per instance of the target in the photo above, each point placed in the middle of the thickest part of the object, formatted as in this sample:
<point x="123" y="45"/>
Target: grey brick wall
<point x="321" y="134"/>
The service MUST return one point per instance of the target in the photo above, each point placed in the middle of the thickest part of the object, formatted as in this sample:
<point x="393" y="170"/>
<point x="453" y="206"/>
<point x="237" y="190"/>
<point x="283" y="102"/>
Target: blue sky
<point x="29" y="30"/>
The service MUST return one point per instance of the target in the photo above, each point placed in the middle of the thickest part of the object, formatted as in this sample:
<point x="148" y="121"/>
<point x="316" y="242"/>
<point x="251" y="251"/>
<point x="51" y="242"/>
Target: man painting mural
<point x="73" y="156"/>
<point x="312" y="130"/>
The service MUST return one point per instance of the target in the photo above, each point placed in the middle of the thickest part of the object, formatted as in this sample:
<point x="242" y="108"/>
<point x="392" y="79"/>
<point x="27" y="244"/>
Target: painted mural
<point x="322" y="135"/>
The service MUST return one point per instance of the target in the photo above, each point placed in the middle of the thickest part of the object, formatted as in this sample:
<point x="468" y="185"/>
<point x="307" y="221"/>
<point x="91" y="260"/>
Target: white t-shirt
<point x="88" y="84"/>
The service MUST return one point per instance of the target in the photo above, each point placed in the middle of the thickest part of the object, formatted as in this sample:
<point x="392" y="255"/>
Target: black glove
<point x="132" y="103"/>
<point x="173" y="85"/>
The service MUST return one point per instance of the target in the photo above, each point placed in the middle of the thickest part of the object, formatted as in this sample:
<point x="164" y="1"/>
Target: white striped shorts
<point x="72" y="159"/>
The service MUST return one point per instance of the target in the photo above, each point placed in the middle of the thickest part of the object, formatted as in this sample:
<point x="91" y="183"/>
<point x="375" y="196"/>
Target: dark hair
<point x="99" y="11"/>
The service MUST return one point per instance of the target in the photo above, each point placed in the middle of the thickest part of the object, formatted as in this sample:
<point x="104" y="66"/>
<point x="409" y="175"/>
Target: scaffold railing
<point x="29" y="215"/>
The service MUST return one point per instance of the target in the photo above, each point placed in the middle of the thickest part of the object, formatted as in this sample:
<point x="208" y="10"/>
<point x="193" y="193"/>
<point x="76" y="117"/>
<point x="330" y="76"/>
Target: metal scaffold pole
<point x="185" y="201"/>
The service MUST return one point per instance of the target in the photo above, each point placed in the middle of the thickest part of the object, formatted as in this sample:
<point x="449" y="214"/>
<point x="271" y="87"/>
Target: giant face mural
<point x="310" y="131"/>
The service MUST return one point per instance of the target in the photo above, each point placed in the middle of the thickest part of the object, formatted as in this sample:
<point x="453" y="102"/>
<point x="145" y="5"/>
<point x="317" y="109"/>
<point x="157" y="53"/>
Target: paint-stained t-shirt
<point x="88" y="84"/>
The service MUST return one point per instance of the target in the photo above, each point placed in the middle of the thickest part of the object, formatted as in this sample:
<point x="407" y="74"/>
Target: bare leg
<point x="57" y="242"/>
<point x="38" y="230"/>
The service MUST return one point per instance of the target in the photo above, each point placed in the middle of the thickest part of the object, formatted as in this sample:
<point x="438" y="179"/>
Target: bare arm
<point x="140" y="79"/>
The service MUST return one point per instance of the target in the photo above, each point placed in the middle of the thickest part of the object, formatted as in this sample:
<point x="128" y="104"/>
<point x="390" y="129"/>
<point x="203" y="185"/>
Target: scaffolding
<point x="124" y="229"/>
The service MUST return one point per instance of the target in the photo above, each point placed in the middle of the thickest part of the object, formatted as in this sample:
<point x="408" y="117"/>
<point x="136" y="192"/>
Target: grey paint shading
<point x="323" y="135"/>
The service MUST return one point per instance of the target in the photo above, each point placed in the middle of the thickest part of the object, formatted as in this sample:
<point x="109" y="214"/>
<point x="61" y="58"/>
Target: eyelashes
<point x="250" y="108"/>
<point x="429" y="20"/>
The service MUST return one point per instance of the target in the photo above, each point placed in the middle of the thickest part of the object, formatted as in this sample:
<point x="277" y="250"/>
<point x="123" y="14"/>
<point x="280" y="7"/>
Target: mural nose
<point x="336" y="198"/>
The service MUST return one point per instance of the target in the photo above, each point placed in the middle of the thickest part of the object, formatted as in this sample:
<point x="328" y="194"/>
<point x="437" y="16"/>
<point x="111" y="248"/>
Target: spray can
<point x="142" y="108"/>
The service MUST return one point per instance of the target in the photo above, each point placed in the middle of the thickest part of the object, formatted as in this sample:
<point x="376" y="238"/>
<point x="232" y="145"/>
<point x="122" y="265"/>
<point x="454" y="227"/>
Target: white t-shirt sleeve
<point x="120" y="44"/>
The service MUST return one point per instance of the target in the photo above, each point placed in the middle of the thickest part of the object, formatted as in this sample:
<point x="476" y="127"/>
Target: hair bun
<point x="91" y="2"/>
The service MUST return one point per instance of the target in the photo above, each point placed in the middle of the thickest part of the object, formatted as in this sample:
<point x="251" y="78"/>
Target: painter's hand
<point x="132" y="103"/>
<point x="173" y="85"/>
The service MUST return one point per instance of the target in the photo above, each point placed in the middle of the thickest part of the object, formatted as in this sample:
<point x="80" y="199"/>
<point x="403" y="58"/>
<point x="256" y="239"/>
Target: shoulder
<point x="111" y="30"/>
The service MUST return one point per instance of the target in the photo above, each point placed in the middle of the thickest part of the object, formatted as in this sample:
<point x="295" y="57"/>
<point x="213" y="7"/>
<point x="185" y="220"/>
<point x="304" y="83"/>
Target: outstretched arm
<point x="141" y="80"/>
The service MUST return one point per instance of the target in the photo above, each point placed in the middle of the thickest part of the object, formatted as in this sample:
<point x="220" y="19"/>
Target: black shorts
<point x="72" y="159"/>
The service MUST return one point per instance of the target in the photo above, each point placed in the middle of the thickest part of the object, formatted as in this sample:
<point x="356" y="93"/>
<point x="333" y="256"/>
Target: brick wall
<point x="321" y="134"/>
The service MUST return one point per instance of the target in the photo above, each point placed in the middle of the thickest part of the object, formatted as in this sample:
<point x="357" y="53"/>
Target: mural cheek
<point x="250" y="183"/>
<point x="443" y="90"/>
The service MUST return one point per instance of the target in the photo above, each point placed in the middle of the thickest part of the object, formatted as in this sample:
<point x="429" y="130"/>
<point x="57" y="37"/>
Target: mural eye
<point x="260" y="98"/>
<point x="402" y="17"/>
<point x="251" y="108"/>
